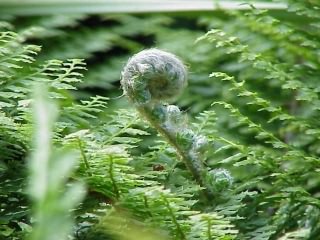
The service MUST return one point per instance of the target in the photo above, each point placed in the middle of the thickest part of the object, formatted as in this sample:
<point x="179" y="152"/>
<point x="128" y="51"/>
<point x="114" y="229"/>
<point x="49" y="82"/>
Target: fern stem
<point x="113" y="181"/>
<point x="122" y="130"/>
<point x="209" y="229"/>
<point x="84" y="157"/>
<point x="196" y="169"/>
<point x="174" y="219"/>
<point x="146" y="205"/>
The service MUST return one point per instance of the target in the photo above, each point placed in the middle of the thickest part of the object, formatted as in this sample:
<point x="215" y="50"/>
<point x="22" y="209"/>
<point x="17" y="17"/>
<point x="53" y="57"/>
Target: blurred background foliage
<point x="259" y="67"/>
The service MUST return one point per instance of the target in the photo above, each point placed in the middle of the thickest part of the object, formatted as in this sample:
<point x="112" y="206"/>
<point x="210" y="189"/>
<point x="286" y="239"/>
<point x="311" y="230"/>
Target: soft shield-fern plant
<point x="255" y="74"/>
<point x="105" y="157"/>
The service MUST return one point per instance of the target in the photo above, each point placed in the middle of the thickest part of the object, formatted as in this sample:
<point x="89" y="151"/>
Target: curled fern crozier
<point x="153" y="76"/>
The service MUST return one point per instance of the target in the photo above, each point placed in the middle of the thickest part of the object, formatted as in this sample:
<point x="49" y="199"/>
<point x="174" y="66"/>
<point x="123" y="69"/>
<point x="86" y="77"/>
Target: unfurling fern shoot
<point x="151" y="79"/>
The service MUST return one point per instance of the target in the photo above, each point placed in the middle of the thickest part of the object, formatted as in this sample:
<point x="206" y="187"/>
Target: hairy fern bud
<point x="153" y="75"/>
<point x="220" y="179"/>
<point x="200" y="144"/>
<point x="175" y="118"/>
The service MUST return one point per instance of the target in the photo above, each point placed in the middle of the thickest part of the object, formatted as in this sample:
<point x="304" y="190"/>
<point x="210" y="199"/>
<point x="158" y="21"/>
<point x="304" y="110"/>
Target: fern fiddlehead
<point x="150" y="79"/>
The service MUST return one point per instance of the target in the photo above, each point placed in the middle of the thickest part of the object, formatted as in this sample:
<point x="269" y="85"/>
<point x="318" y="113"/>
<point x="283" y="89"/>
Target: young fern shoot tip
<point x="151" y="79"/>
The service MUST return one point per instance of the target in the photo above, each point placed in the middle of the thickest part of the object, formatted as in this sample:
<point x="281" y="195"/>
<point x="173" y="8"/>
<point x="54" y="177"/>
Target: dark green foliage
<point x="253" y="92"/>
